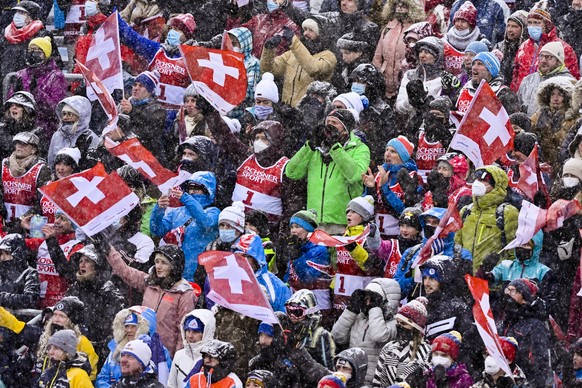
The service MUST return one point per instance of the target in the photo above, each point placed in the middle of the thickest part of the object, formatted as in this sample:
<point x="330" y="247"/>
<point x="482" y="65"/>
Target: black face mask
<point x="429" y="231"/>
<point x="55" y="328"/>
<point x="34" y="58"/>
<point x="405" y="243"/>
<point x="523" y="254"/>
<point x="511" y="306"/>
<point x="404" y="334"/>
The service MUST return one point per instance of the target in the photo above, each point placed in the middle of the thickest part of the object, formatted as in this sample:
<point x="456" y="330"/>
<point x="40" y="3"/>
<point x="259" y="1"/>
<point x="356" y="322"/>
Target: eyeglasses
<point x="546" y="57"/>
<point x="510" y="291"/>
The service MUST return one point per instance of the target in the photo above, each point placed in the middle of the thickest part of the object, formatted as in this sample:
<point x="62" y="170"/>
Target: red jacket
<point x="263" y="26"/>
<point x="526" y="60"/>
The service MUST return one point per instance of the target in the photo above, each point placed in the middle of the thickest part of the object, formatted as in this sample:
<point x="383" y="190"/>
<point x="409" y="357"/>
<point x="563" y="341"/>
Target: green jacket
<point x="330" y="187"/>
<point x="480" y="234"/>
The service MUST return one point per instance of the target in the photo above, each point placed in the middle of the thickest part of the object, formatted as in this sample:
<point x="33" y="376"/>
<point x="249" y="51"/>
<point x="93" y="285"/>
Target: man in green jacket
<point x="489" y="223"/>
<point x="334" y="160"/>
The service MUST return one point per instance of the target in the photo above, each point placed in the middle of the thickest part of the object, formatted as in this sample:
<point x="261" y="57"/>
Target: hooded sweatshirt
<point x="245" y="38"/>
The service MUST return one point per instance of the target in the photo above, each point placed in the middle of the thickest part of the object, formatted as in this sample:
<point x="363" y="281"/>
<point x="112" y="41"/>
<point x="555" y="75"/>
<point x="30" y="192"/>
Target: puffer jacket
<point x="528" y="90"/>
<point x="526" y="60"/>
<point x="359" y="361"/>
<point x="19" y="284"/>
<point x="396" y="361"/>
<point x="373" y="331"/>
<point x="197" y="212"/>
<point x="456" y="377"/>
<point x="186" y="358"/>
<point x="79" y="134"/>
<point x="331" y="185"/>
<point x="311" y="270"/>
<point x="67" y="374"/>
<point x="480" y="234"/>
<point x="491" y="17"/>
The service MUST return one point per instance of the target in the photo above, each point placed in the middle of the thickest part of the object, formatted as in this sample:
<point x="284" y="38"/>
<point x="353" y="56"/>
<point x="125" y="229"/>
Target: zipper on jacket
<point x="323" y="190"/>
<point x="160" y="301"/>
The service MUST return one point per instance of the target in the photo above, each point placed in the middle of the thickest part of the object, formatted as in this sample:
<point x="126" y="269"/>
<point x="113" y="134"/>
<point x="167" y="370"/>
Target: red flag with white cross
<point x="92" y="199"/>
<point x="233" y="285"/>
<point x="485" y="133"/>
<point x="219" y="76"/>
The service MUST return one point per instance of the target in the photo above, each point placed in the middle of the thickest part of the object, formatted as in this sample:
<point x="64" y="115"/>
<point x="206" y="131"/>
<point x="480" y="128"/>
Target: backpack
<point x="499" y="219"/>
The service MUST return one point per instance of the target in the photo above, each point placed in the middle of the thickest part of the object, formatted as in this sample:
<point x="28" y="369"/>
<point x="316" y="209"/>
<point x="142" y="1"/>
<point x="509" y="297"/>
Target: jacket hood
<point x="15" y="244"/>
<point x="252" y="245"/>
<point x="538" y="240"/>
<point x="359" y="362"/>
<point x="273" y="130"/>
<point x="143" y="327"/>
<point x="390" y="291"/>
<point x="207" y="318"/>
<point x="435" y="44"/>
<point x="496" y="196"/>
<point x="91" y="252"/>
<point x="208" y="180"/>
<point x="437" y="212"/>
<point x="81" y="105"/>
<point x="564" y="84"/>
<point x="245" y="39"/>
<point x="176" y="257"/>
<point x="205" y="149"/>
<point x="520" y="17"/>
<point x="415" y="10"/>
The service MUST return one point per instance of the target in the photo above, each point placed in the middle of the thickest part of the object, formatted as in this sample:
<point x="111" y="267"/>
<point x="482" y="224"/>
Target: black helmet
<point x="265" y="378"/>
<point x="130" y="175"/>
<point x="223" y="351"/>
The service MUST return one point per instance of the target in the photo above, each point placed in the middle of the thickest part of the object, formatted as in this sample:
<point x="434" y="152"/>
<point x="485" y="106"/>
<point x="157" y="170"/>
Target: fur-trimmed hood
<point x="119" y="337"/>
<point x="415" y="10"/>
<point x="577" y="96"/>
<point x="565" y="84"/>
<point x="207" y="318"/>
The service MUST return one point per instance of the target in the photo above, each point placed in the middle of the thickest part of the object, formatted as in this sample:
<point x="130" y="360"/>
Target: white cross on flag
<point x="529" y="175"/>
<point x="136" y="155"/>
<point x="559" y="212"/>
<point x="219" y="76"/>
<point x="92" y="199"/>
<point x="104" y="57"/>
<point x="485" y="133"/>
<point x="319" y="237"/>
<point x="233" y="285"/>
<point x="530" y="220"/>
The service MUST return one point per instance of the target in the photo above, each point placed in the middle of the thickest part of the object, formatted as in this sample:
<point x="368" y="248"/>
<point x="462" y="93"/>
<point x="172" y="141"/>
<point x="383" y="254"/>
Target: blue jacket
<point x="441" y="246"/>
<point x="201" y="231"/>
<point x="491" y="16"/>
<point x="392" y="199"/>
<point x="140" y="44"/>
<point x="509" y="270"/>
<point x="310" y="253"/>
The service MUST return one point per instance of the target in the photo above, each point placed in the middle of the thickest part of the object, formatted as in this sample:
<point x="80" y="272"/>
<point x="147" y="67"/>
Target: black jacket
<point x="148" y="380"/>
<point x="19" y="284"/>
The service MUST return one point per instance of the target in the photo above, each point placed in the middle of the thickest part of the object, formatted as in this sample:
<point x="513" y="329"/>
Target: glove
<point x="293" y="247"/>
<point x="203" y="106"/>
<point x="565" y="249"/>
<point x="374" y="240"/>
<point x="273" y="42"/>
<point x="331" y="138"/>
<point x="436" y="181"/>
<point x="287" y="34"/>
<point x="416" y="93"/>
<point x="449" y="82"/>
<point x="351" y="246"/>
<point x="357" y="301"/>
<point x="10" y="322"/>
<point x="376" y="300"/>
<point x="316" y="137"/>
<point x="490" y="261"/>
<point x="440" y="375"/>
<point x="407" y="182"/>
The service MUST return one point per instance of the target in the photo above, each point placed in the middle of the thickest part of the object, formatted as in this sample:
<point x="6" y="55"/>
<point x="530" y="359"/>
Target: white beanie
<point x="138" y="350"/>
<point x="364" y="206"/>
<point x="556" y="49"/>
<point x="311" y="24"/>
<point x="351" y="100"/>
<point x="233" y="124"/>
<point x="73" y="153"/>
<point x="234" y="216"/>
<point x="267" y="88"/>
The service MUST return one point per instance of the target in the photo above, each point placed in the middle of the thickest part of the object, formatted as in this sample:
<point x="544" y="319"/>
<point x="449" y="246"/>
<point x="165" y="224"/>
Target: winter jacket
<point x="570" y="29"/>
<point x="252" y="65"/>
<point x="311" y="270"/>
<point x="77" y="135"/>
<point x="199" y="381"/>
<point x="372" y="331"/>
<point x="480" y="234"/>
<point x="298" y="67"/>
<point x="265" y="25"/>
<point x="357" y="358"/>
<point x="526" y="60"/>
<point x="331" y="183"/>
<point x="395" y="362"/>
<point x="169" y="304"/>
<point x="528" y="90"/>
<point x="509" y="48"/>
<point x="138" y="10"/>
<point x="575" y="313"/>
<point x="19" y="284"/>
<point x="491" y="17"/>
<point x="519" y="380"/>
<point x="186" y="358"/>
<point x="147" y="122"/>
<point x="358" y="22"/>
<point x="146" y="380"/>
<point x="456" y="377"/>
<point x="67" y="374"/>
<point x="197" y="212"/>
<point x="10" y="127"/>
<point x="47" y="84"/>
<point x="506" y="96"/>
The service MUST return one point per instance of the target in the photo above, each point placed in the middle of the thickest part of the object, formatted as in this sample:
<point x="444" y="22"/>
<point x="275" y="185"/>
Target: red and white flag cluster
<point x="319" y="237"/>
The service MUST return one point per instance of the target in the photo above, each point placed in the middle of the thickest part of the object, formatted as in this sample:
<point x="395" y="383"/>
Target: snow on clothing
<point x="456" y="377"/>
<point x="110" y="372"/>
<point x="395" y="361"/>
<point x="528" y="90"/>
<point x="265" y="25"/>
<point x="491" y="17"/>
<point x="138" y="10"/>
<point x="67" y="374"/>
<point x="372" y="331"/>
<point x="299" y="68"/>
<point x="526" y="60"/>
<point x="252" y="65"/>
<point x="19" y="285"/>
<point x="199" y="381"/>
<point x="480" y="234"/>
<point x="202" y="220"/>
<point x="145" y="380"/>
<point x="506" y="96"/>
<point x="77" y="134"/>
<point x="14" y="44"/>
<point x="186" y="358"/>
<point x="331" y="183"/>
<point x="509" y="48"/>
<point x="48" y="85"/>
<point x="170" y="304"/>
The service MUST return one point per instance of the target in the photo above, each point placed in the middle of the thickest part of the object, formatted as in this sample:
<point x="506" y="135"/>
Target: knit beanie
<point x="524" y="142"/>
<point x="266" y="328"/>
<point x="267" y="88"/>
<point x="525" y="287"/>
<point x="522" y="120"/>
<point x="490" y="61"/>
<point x="138" y="350"/>
<point x="443" y="104"/>
<point x="234" y="216"/>
<point x="66" y="340"/>
<point x="311" y="24"/>
<point x="448" y="343"/>
<point x="335" y="380"/>
<point x="540" y="10"/>
<point x="573" y="166"/>
<point x="352" y="42"/>
<point x="72" y="307"/>
<point x="414" y="313"/>
<point x="364" y="206"/>
<point x="403" y="146"/>
<point x="509" y="347"/>
<point x="353" y="100"/>
<point x="69" y="156"/>
<point x="307" y="219"/>
<point x="44" y="43"/>
<point x="411" y="217"/>
<point x="184" y="22"/>
<point x="194" y="324"/>
<point x="556" y="49"/>
<point x="476" y="47"/>
<point x="346" y="117"/>
<point x="467" y="12"/>
<point x="149" y="79"/>
<point x="427" y="45"/>
<point x="259" y="220"/>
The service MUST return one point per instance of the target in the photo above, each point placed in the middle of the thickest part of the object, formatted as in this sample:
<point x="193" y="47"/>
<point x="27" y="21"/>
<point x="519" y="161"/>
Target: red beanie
<point x="448" y="343"/>
<point x="184" y="22"/>
<point x="509" y="346"/>
<point x="467" y="12"/>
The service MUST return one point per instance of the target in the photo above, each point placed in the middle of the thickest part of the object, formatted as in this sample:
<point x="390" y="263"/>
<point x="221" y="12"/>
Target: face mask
<point x="570" y="181"/>
<point x="173" y="38"/>
<point x="271" y="6"/>
<point x="358" y="88"/>
<point x="259" y="146"/>
<point x="478" y="189"/>
<point x="441" y="360"/>
<point x="429" y="231"/>
<point x="262" y="112"/>
<point x="237" y="49"/>
<point x="404" y="334"/>
<point x="535" y="32"/>
<point x="522" y="254"/>
<point x="19" y="20"/>
<point x="227" y="235"/>
<point x="348" y="375"/>
<point x="400" y="15"/>
<point x="91" y="8"/>
<point x="491" y="366"/>
<point x="34" y="58"/>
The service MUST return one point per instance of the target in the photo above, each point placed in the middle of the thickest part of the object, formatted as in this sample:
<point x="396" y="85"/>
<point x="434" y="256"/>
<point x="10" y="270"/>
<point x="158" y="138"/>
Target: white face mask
<point x="348" y="375"/>
<point x="19" y="20"/>
<point x="442" y="360"/>
<point x="479" y="189"/>
<point x="570" y="181"/>
<point x="91" y="8"/>
<point x="237" y="49"/>
<point x="259" y="146"/>
<point x="491" y="366"/>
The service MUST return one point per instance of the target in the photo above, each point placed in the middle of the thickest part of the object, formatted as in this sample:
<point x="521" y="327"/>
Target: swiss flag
<point x="484" y="321"/>
<point x="233" y="285"/>
<point x="530" y="220"/>
<point x="104" y="56"/>
<point x="560" y="211"/>
<point x="137" y="156"/>
<point x="485" y="133"/>
<point x="92" y="198"/>
<point x="529" y="182"/>
<point x="319" y="237"/>
<point x="220" y="76"/>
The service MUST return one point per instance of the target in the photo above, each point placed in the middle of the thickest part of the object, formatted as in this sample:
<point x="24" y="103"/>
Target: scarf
<point x="459" y="41"/>
<point x="16" y="35"/>
<point x="19" y="167"/>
